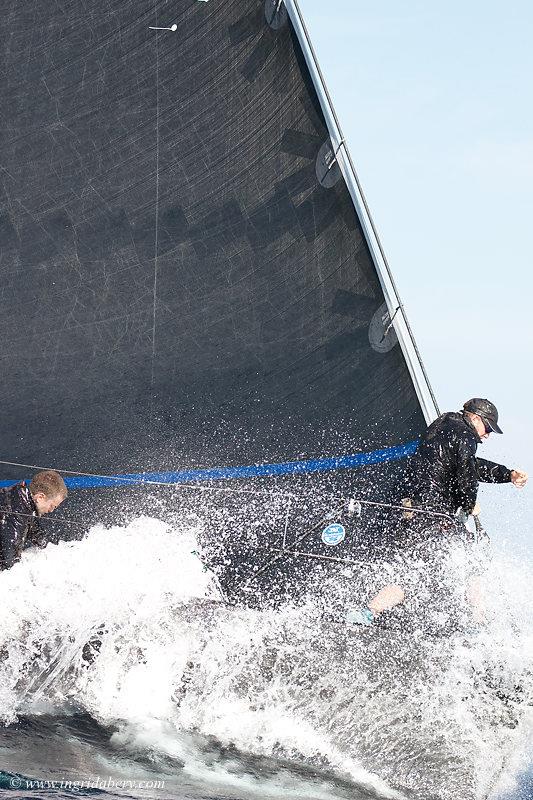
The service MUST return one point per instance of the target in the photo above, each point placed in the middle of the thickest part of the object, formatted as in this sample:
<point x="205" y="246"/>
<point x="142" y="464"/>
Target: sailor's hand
<point x="476" y="511"/>
<point x="518" y="478"/>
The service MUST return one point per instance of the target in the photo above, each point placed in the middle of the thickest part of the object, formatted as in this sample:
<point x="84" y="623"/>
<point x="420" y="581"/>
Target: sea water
<point x="123" y="671"/>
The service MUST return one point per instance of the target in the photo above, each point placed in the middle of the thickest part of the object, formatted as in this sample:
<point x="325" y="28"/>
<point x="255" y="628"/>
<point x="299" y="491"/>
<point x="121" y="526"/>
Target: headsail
<point x="191" y="287"/>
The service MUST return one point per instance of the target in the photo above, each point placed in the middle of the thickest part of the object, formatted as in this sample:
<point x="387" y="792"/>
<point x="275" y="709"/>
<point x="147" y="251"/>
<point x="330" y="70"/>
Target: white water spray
<point x="127" y="626"/>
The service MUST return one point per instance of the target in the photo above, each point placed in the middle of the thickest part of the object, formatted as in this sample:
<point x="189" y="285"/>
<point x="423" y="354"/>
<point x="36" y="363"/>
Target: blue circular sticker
<point x="333" y="534"/>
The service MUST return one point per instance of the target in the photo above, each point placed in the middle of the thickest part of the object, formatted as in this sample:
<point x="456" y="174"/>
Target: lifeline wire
<point x="284" y="553"/>
<point x="37" y="517"/>
<point x="404" y="509"/>
<point x="123" y="479"/>
<point x="289" y="495"/>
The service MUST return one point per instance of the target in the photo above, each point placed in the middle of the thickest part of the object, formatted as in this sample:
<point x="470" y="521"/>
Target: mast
<point x="395" y="306"/>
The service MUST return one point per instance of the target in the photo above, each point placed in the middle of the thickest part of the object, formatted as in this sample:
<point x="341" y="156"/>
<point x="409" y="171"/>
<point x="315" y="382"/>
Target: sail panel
<point x="186" y="281"/>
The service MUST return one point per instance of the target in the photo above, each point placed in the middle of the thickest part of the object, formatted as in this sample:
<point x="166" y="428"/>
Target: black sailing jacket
<point x="19" y="524"/>
<point x="444" y="473"/>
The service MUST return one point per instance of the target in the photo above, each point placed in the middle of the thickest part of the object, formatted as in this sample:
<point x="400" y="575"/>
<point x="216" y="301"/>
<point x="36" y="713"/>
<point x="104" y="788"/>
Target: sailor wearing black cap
<point x="443" y="476"/>
<point x="486" y="411"/>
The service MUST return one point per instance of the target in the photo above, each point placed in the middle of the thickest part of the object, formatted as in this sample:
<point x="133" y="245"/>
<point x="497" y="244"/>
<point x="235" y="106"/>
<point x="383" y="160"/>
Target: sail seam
<point x="156" y="236"/>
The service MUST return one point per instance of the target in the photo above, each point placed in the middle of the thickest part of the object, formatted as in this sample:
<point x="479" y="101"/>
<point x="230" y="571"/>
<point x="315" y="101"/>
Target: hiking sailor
<point x="443" y="477"/>
<point x="21" y="508"/>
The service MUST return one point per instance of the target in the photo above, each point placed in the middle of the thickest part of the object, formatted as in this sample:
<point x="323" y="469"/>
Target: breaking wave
<point x="126" y="631"/>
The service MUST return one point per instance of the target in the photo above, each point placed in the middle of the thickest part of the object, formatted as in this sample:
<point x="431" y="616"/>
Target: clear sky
<point x="436" y="104"/>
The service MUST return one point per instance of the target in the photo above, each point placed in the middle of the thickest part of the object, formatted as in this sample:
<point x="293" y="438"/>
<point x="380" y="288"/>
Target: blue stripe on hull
<point x="254" y="471"/>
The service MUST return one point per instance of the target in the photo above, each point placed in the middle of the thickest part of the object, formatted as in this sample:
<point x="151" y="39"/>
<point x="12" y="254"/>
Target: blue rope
<point x="252" y="471"/>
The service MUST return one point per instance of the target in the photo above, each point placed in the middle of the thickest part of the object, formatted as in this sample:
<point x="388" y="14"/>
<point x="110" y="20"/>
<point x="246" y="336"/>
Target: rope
<point x="289" y="495"/>
<point x="37" y="516"/>
<point x="123" y="479"/>
<point x="404" y="509"/>
<point x="259" y="493"/>
<point x="284" y="553"/>
<point x="350" y="562"/>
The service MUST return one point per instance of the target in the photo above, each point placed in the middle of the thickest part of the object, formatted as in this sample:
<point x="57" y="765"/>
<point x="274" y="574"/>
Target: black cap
<point x="486" y="410"/>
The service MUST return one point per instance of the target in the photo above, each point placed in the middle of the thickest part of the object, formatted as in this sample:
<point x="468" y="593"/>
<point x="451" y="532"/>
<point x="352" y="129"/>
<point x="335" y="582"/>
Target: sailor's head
<point x="48" y="491"/>
<point x="483" y="415"/>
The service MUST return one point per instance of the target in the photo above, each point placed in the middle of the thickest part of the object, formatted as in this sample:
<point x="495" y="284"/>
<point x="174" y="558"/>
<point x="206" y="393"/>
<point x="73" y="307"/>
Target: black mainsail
<point x="192" y="290"/>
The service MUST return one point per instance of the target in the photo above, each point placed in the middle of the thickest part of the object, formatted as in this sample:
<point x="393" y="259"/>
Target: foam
<point x="176" y="669"/>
